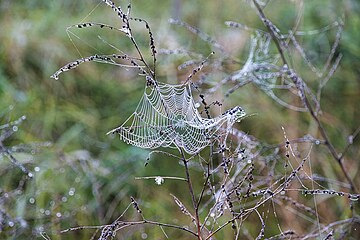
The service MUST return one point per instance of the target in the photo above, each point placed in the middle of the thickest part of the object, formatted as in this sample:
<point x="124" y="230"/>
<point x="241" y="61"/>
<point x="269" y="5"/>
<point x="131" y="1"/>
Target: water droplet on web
<point x="144" y="236"/>
<point x="58" y="214"/>
<point x="11" y="224"/>
<point x="42" y="210"/>
<point x="32" y="200"/>
<point x="36" y="169"/>
<point x="15" y="128"/>
<point x="30" y="175"/>
<point x="64" y="199"/>
<point x="47" y="212"/>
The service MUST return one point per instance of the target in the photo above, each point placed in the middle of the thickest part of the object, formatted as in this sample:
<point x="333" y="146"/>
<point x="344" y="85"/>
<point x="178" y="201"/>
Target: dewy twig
<point x="299" y="84"/>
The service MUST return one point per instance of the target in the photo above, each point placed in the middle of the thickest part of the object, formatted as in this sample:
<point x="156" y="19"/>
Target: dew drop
<point x="354" y="197"/>
<point x="15" y="128"/>
<point x="64" y="199"/>
<point x="47" y="212"/>
<point x="30" y="175"/>
<point x="58" y="214"/>
<point x="144" y="236"/>
<point x="42" y="210"/>
<point x="159" y="180"/>
<point x="11" y="224"/>
<point x="72" y="191"/>
<point x="36" y="169"/>
<point x="32" y="200"/>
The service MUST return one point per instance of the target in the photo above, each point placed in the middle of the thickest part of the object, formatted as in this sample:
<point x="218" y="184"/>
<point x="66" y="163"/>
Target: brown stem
<point x="193" y="198"/>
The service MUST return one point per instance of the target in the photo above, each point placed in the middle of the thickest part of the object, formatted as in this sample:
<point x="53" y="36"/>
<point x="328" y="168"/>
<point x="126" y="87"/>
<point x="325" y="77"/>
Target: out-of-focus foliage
<point x="85" y="177"/>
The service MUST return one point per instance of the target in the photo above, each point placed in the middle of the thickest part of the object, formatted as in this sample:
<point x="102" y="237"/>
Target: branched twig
<point x="299" y="83"/>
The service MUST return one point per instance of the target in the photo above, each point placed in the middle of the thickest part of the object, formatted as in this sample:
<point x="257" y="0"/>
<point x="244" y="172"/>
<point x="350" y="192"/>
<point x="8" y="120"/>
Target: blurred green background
<point x="86" y="177"/>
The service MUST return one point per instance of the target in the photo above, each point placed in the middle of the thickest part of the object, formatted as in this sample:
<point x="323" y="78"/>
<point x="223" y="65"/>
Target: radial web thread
<point x="166" y="116"/>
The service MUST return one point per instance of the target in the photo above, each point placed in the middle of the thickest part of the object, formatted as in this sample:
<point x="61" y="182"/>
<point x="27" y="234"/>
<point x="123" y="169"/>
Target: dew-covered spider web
<point x="166" y="116"/>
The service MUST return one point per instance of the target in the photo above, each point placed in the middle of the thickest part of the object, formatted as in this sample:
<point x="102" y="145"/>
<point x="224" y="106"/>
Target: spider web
<point x="166" y="116"/>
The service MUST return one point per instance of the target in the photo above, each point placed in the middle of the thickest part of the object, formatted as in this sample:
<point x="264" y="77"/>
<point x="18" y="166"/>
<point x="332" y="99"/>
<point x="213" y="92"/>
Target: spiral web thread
<point x="166" y="116"/>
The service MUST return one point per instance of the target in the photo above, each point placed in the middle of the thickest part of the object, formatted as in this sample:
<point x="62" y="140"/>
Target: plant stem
<point x="208" y="173"/>
<point x="305" y="99"/>
<point x="193" y="198"/>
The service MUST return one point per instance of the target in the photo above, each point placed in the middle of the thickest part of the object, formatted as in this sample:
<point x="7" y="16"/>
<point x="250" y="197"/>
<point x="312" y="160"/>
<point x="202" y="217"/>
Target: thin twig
<point x="208" y="174"/>
<point x="193" y="198"/>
